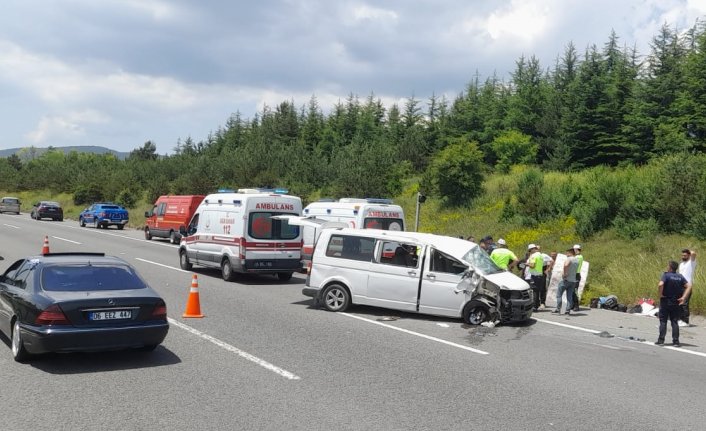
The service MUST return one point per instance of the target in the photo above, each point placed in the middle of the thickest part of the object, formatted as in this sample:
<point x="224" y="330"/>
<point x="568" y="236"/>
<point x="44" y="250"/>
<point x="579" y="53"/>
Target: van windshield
<point x="261" y="225"/>
<point x="481" y="262"/>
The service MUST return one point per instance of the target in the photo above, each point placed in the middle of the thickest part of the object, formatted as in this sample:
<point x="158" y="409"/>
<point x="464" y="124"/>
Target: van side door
<point x="439" y="293"/>
<point x="393" y="281"/>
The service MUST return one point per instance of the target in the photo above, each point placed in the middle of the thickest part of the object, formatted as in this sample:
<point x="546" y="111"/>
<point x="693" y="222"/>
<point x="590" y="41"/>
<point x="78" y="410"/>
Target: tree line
<point x="606" y="106"/>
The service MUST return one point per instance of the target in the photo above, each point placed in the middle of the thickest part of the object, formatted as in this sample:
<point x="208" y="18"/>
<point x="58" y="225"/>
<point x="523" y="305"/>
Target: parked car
<point x="414" y="272"/>
<point x="66" y="302"/>
<point x="104" y="214"/>
<point x="47" y="209"/>
<point x="8" y="204"/>
<point x="170" y="215"/>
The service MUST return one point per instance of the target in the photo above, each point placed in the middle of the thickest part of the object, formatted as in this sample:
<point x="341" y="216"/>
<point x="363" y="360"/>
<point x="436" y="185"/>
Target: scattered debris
<point x="605" y="334"/>
<point x="388" y="318"/>
<point x="443" y="325"/>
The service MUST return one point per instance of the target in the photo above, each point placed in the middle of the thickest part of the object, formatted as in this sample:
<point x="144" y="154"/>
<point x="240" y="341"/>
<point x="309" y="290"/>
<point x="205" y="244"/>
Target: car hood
<point x="507" y="280"/>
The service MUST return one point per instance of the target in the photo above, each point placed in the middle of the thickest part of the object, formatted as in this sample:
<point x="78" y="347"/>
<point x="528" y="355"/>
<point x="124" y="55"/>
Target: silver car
<point x="9" y="204"/>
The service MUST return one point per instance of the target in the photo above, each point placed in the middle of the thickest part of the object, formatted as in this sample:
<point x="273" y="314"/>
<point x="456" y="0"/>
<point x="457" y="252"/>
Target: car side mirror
<point x="468" y="273"/>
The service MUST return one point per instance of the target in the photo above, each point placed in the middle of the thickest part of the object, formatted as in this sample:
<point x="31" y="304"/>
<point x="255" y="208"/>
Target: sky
<point x="117" y="73"/>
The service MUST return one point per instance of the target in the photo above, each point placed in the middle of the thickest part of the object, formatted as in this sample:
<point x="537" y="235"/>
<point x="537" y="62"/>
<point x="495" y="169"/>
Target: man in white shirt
<point x="687" y="267"/>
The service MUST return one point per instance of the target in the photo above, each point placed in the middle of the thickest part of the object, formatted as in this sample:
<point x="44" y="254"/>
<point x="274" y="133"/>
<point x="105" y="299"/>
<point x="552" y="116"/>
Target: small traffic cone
<point x="193" y="305"/>
<point x="45" y="247"/>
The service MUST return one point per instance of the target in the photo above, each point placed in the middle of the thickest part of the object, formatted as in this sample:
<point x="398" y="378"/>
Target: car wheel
<point x="476" y="314"/>
<point x="81" y="222"/>
<point x="96" y="225"/>
<point x="148" y="234"/>
<point x="121" y="226"/>
<point x="336" y="298"/>
<point x="18" y="347"/>
<point x="184" y="262"/>
<point x="61" y="219"/>
<point x="173" y="238"/>
<point x="284" y="276"/>
<point x="227" y="270"/>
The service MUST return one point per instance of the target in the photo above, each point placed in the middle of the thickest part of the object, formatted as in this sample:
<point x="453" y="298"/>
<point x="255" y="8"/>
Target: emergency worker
<point x="503" y="257"/>
<point x="535" y="263"/>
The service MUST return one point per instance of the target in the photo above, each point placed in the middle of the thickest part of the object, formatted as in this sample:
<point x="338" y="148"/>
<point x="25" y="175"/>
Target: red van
<point x="169" y="214"/>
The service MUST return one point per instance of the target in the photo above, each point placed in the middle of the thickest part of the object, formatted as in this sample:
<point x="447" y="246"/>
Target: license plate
<point x="264" y="264"/>
<point x="110" y="315"/>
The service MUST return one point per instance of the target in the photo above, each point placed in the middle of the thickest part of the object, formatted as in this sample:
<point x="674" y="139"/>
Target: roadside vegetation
<point x="605" y="147"/>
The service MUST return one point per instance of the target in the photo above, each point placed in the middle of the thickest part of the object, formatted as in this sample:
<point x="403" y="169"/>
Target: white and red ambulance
<point x="370" y="213"/>
<point x="236" y="232"/>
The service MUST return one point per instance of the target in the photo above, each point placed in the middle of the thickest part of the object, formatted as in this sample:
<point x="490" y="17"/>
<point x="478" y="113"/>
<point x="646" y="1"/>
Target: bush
<point x="88" y="194"/>
<point x="513" y="148"/>
<point x="456" y="173"/>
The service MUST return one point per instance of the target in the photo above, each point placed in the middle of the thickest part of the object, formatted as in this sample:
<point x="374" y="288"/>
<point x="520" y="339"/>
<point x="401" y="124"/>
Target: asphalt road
<point x="265" y="358"/>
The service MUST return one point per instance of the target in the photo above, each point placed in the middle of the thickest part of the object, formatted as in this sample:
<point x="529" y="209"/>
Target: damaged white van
<point x="414" y="272"/>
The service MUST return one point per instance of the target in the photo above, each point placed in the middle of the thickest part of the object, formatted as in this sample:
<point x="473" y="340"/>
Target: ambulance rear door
<point x="271" y="244"/>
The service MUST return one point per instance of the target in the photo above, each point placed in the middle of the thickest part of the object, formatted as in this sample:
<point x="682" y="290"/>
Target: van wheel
<point x="227" y="270"/>
<point x="148" y="234"/>
<point x="18" y="347"/>
<point x="336" y="298"/>
<point x="475" y="314"/>
<point x="173" y="238"/>
<point x="184" y="262"/>
<point x="284" y="276"/>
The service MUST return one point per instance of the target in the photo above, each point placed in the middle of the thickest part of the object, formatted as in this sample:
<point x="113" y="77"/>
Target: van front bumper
<point x="516" y="310"/>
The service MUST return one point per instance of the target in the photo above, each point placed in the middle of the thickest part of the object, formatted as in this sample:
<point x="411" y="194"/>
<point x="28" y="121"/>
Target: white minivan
<point x="414" y="272"/>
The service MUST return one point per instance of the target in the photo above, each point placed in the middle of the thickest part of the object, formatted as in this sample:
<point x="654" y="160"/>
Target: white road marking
<point x="648" y="343"/>
<point x="275" y="369"/>
<point x="564" y="325"/>
<point x="12" y="226"/>
<point x="67" y="240"/>
<point x="162" y="265"/>
<point x="406" y="331"/>
<point x="444" y="325"/>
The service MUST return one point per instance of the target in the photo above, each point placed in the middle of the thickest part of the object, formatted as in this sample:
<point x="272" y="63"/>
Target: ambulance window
<point x="161" y="208"/>
<point x="262" y="226"/>
<point x="383" y="223"/>
<point x="193" y="225"/>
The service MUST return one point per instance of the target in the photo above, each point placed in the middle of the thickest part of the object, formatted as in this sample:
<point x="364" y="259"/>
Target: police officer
<point x="673" y="291"/>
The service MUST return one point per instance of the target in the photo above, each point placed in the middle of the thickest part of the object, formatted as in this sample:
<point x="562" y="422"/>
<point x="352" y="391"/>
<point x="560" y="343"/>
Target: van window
<point x="351" y="247"/>
<point x="442" y="262"/>
<point x="262" y="226"/>
<point x="383" y="223"/>
<point x="395" y="253"/>
<point x="161" y="209"/>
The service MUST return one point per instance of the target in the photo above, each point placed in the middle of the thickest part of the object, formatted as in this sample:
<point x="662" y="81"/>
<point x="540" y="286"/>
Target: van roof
<point x="455" y="247"/>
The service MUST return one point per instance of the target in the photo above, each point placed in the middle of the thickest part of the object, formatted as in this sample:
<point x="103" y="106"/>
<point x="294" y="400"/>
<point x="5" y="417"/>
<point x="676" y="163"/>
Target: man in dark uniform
<point x="673" y="291"/>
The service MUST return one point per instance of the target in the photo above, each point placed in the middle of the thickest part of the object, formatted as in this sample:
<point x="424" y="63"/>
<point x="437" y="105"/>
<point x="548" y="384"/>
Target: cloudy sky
<point x="117" y="73"/>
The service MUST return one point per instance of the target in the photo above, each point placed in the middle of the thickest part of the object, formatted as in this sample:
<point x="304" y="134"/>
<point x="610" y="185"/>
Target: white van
<point x="237" y="233"/>
<point x="354" y="213"/>
<point x="425" y="273"/>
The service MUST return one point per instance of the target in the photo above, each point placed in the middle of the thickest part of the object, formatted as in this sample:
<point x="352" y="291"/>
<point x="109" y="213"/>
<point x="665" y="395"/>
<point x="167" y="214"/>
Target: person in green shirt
<point x="503" y="257"/>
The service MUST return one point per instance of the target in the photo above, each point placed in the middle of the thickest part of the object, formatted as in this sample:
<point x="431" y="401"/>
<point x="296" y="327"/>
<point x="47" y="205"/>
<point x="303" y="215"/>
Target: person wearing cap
<point x="487" y="244"/>
<point x="535" y="263"/>
<point x="503" y="257"/>
<point x="579" y="257"/>
<point x="568" y="282"/>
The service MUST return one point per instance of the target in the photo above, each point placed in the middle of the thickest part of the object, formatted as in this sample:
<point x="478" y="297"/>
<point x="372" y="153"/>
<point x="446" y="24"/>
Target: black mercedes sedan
<point x="66" y="302"/>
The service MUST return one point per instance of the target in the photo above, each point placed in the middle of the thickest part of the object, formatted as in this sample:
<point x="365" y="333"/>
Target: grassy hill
<point x="32" y="152"/>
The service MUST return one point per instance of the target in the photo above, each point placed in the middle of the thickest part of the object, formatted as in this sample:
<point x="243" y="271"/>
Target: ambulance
<point x="370" y="213"/>
<point x="169" y="214"/>
<point x="239" y="232"/>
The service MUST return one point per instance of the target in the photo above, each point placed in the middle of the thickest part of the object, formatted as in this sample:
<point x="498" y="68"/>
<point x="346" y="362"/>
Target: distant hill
<point x="28" y="152"/>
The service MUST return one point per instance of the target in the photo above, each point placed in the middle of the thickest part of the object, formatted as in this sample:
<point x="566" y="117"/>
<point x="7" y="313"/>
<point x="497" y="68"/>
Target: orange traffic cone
<point x="193" y="306"/>
<point x="45" y="247"/>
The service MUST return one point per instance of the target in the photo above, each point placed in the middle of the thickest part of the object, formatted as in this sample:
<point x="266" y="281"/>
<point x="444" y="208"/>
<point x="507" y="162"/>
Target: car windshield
<point x="481" y="262"/>
<point x="88" y="277"/>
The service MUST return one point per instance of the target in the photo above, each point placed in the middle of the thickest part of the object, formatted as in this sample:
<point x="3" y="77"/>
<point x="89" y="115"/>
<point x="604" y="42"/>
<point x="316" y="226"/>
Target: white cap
<point x="501" y="242"/>
<point x="577" y="246"/>
<point x="531" y="246"/>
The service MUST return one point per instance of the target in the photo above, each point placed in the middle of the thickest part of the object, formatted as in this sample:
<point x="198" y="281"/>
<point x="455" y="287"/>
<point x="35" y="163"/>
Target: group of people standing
<point x="536" y="268"/>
